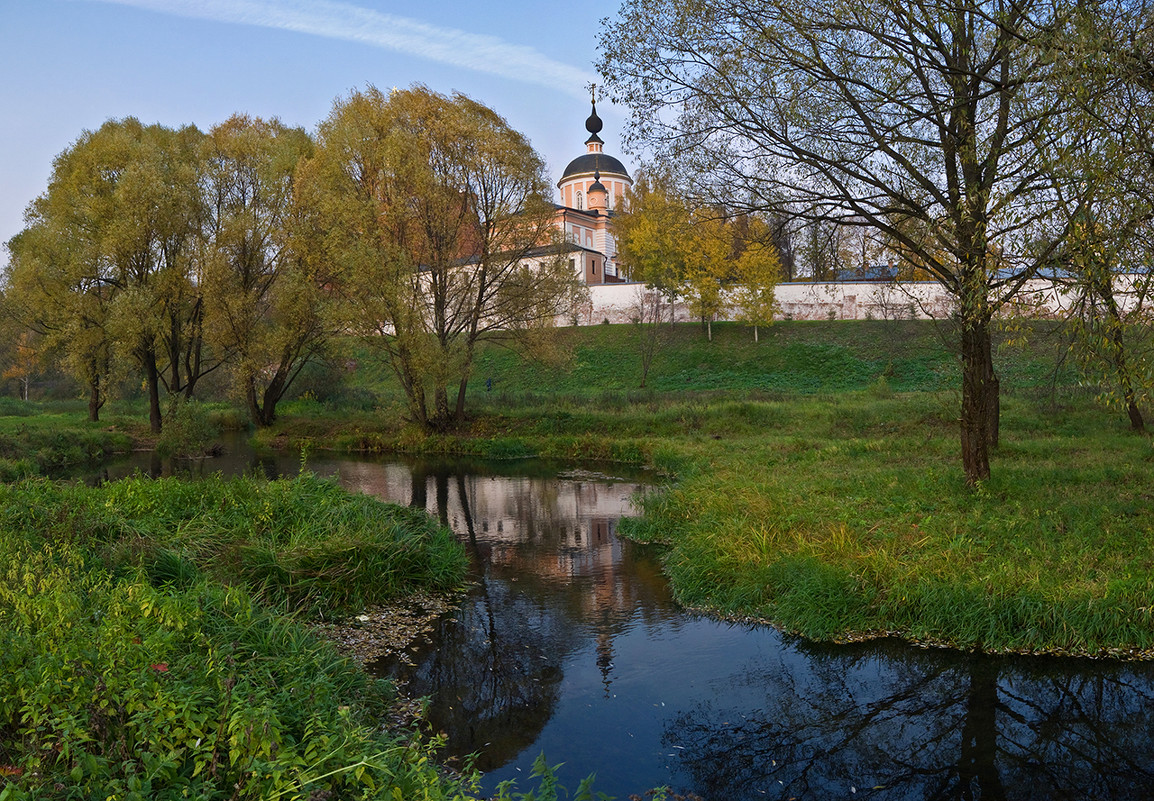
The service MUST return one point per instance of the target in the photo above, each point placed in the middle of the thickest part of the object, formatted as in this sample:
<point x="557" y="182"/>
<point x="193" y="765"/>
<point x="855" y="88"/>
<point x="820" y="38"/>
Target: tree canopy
<point x="941" y="126"/>
<point x="438" y="213"/>
<point x="166" y="252"/>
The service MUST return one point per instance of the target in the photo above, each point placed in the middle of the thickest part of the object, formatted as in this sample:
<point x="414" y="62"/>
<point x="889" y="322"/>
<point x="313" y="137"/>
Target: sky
<point x="69" y="65"/>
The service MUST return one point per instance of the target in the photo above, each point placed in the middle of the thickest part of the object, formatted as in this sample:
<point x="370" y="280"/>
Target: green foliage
<point x="548" y="786"/>
<point x="152" y="681"/>
<point x="188" y="430"/>
<point x="49" y="443"/>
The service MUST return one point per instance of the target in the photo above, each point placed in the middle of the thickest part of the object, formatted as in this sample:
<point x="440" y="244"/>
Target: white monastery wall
<point x="619" y="303"/>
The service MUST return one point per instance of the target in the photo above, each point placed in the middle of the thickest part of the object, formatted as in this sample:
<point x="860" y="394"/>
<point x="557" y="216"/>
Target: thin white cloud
<point x="336" y="20"/>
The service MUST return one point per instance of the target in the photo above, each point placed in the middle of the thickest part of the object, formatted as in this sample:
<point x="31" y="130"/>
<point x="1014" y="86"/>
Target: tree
<point x="49" y="291"/>
<point x="651" y="231"/>
<point x="22" y="361"/>
<point x="932" y="123"/>
<point x="438" y="212"/>
<point x="115" y="238"/>
<point x="265" y="306"/>
<point x="756" y="273"/>
<point x="646" y="319"/>
<point x="1108" y="203"/>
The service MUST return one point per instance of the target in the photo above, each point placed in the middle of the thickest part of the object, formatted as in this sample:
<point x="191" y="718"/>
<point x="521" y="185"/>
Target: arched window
<point x="580" y="200"/>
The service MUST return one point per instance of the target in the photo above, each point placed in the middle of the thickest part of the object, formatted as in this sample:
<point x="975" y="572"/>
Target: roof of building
<point x="595" y="162"/>
<point x="561" y="247"/>
<point x="592" y="213"/>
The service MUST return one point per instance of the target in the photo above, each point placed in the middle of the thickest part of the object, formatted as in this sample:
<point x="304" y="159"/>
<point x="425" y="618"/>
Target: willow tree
<point x="116" y="238"/>
<point x="1106" y="266"/>
<point x="935" y="124"/>
<point x="266" y="303"/>
<point x="48" y="290"/>
<point x="438" y="213"/>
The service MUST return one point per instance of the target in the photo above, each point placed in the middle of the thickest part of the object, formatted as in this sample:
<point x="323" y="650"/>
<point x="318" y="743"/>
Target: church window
<point x="580" y="200"/>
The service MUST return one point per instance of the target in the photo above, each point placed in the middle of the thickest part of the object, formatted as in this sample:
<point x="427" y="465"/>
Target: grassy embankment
<point x="35" y="441"/>
<point x="818" y="480"/>
<point x="149" y="650"/>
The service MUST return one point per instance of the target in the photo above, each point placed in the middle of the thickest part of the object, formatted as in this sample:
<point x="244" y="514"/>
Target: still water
<point x="570" y="644"/>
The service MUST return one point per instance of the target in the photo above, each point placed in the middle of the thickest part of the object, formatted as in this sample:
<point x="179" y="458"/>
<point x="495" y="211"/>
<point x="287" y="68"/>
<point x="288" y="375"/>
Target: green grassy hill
<point x="791" y="358"/>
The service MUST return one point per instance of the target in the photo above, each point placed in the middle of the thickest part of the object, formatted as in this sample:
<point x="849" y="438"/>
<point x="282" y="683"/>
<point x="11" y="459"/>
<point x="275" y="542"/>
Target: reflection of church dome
<point x="594" y="162"/>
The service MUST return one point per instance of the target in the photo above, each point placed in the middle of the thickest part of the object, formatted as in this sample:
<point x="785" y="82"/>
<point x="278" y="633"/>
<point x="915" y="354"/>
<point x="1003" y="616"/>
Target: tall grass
<point x="853" y="518"/>
<point x="48" y="443"/>
<point x="145" y="657"/>
<point x="299" y="545"/>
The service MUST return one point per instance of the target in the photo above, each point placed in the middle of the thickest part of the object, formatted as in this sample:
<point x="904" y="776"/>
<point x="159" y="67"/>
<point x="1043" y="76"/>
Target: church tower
<point x="592" y="186"/>
<point x="595" y="166"/>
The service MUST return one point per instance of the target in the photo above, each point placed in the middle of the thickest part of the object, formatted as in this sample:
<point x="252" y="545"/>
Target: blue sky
<point x="69" y="65"/>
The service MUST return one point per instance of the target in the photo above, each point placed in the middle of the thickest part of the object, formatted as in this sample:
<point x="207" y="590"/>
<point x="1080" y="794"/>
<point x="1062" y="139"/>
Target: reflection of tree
<point x="925" y="726"/>
<point x="494" y="677"/>
<point x="549" y="582"/>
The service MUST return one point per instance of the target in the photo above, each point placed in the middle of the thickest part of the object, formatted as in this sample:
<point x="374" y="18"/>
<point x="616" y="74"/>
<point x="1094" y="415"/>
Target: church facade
<point x="592" y="186"/>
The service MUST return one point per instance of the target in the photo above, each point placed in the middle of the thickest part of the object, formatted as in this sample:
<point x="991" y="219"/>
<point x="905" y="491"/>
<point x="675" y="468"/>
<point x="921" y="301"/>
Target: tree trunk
<point x="94" y="401"/>
<point x="755" y="335"/>
<point x="459" y="410"/>
<point x="255" y="413"/>
<point x="152" y="381"/>
<point x="979" y="400"/>
<point x="441" y="419"/>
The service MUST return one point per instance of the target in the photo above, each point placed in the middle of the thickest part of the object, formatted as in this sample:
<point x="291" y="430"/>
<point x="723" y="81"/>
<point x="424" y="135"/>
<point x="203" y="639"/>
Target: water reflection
<point x="898" y="723"/>
<point x="569" y="643"/>
<point x="549" y="577"/>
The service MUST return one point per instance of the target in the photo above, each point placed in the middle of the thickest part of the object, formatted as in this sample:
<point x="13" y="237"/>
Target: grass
<point x="863" y="525"/>
<point x="818" y="480"/>
<point x="148" y="653"/>
<point x="39" y="441"/>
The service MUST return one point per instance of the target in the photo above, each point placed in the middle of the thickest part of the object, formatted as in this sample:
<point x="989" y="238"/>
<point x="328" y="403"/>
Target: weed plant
<point x="146" y="654"/>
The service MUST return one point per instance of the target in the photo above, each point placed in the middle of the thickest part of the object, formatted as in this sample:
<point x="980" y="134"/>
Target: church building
<point x="592" y="186"/>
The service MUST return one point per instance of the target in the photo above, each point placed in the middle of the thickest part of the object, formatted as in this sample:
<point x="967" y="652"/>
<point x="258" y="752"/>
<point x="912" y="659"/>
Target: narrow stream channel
<point x="569" y="644"/>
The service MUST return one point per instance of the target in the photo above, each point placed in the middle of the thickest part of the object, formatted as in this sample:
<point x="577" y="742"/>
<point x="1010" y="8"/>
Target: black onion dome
<point x="597" y="186"/>
<point x="593" y="125"/>
<point x="595" y="162"/>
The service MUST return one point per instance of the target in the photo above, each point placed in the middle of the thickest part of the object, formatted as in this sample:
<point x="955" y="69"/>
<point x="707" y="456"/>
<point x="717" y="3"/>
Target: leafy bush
<point x="188" y="430"/>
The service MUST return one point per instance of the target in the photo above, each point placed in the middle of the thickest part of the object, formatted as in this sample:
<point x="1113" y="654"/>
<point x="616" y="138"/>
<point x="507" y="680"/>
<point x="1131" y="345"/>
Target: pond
<point x="569" y="643"/>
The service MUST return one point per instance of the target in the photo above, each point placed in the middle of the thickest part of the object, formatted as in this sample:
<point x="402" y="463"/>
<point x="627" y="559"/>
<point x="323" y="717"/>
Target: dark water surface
<point x="570" y="644"/>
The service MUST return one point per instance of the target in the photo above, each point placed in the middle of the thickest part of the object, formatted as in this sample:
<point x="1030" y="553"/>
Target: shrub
<point x="188" y="430"/>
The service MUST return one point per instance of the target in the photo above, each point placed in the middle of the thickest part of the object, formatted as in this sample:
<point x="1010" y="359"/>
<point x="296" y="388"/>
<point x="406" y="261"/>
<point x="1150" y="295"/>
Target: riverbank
<point x="811" y="492"/>
<point x="152" y="650"/>
<point x="845" y="515"/>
